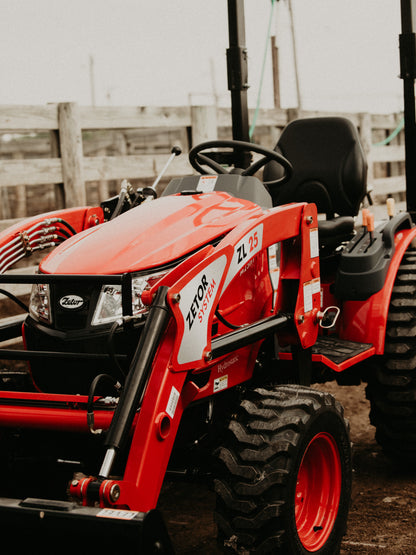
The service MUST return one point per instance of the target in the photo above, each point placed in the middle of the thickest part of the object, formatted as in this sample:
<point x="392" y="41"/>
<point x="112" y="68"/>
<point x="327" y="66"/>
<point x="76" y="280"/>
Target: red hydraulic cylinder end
<point x="89" y="490"/>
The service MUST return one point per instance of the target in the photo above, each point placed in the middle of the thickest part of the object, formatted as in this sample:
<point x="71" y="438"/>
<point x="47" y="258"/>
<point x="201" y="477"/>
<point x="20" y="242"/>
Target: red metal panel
<point x="365" y="321"/>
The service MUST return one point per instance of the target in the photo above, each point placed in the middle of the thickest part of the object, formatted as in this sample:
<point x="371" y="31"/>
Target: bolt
<point x="114" y="493"/>
<point x="301" y="319"/>
<point x="309" y="220"/>
<point x="176" y="298"/>
<point x="208" y="356"/>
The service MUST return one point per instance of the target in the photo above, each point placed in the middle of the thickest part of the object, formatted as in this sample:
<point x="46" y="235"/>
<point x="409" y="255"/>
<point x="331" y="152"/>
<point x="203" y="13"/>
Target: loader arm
<point x="168" y="389"/>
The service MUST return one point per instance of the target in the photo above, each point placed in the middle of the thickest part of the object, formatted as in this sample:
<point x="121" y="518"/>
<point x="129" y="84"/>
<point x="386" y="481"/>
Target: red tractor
<point x="184" y="333"/>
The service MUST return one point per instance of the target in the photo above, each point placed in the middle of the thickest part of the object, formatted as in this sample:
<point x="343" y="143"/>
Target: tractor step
<point x="339" y="350"/>
<point x="337" y="354"/>
<point x="52" y="526"/>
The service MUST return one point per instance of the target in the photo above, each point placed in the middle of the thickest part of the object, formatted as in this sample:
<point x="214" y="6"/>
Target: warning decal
<point x="117" y="513"/>
<point x="220" y="383"/>
<point x="206" y="183"/>
<point x="310" y="288"/>
<point x="173" y="402"/>
<point x="314" y="243"/>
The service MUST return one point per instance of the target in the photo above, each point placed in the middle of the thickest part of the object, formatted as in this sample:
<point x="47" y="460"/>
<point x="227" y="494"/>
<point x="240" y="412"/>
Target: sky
<point x="167" y="52"/>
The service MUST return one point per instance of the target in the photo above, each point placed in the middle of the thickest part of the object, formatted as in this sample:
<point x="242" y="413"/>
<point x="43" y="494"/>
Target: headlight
<point x="40" y="303"/>
<point x="109" y="306"/>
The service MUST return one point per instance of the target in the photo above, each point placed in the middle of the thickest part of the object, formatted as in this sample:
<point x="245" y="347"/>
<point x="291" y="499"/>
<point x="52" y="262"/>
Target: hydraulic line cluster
<point x="43" y="235"/>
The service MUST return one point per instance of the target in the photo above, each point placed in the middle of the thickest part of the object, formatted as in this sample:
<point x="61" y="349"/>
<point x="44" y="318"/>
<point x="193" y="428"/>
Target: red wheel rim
<point x="318" y="492"/>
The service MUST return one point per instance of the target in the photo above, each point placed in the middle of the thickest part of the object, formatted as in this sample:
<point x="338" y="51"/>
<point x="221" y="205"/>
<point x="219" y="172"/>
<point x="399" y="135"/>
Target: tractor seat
<point x="329" y="169"/>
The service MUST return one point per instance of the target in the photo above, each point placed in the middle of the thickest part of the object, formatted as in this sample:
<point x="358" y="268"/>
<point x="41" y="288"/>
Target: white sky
<point x="165" y="52"/>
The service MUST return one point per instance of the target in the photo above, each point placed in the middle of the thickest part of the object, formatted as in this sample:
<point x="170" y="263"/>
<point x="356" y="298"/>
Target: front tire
<point x="285" y="480"/>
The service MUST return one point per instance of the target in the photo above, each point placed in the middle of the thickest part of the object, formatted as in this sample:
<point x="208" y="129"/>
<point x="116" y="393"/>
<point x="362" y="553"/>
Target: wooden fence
<point x="76" y="150"/>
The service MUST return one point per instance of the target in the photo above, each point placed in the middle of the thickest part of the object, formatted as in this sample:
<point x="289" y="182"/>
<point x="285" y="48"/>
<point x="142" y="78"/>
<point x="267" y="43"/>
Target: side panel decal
<point x="245" y="249"/>
<point x="196" y="303"/>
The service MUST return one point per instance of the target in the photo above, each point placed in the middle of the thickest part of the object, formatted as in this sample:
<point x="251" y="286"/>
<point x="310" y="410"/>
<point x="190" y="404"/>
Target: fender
<point x="366" y="321"/>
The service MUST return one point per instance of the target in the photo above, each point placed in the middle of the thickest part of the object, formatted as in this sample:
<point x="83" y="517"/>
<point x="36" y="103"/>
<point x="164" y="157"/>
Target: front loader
<point x="188" y="334"/>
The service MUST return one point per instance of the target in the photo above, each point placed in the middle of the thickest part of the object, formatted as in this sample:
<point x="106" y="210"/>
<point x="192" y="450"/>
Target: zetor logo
<point x="200" y="301"/>
<point x="71" y="302"/>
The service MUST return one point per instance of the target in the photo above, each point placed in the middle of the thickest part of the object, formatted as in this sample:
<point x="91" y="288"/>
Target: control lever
<point x="390" y="207"/>
<point x="176" y="150"/>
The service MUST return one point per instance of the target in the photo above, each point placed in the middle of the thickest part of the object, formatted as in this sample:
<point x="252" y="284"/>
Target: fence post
<point x="204" y="124"/>
<point x="56" y="153"/>
<point x="366" y="137"/>
<point x="102" y="187"/>
<point x="70" y="138"/>
<point x="292" y="114"/>
<point x="21" y="208"/>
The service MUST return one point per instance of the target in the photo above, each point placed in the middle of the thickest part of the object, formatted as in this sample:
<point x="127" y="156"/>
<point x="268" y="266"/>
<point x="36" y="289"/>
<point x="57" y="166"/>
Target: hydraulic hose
<point x="121" y="199"/>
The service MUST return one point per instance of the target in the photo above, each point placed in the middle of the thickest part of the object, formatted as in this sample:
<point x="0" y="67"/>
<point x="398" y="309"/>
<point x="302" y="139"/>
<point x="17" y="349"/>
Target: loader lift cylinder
<point x="407" y="44"/>
<point x="156" y="323"/>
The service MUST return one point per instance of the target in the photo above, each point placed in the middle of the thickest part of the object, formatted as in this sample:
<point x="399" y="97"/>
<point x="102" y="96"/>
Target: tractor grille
<point x="65" y="315"/>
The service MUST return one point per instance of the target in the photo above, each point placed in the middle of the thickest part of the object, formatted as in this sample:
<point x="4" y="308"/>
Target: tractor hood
<point x="152" y="235"/>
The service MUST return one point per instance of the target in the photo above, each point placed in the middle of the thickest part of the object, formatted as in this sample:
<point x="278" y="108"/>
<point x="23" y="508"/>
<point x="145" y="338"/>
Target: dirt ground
<point x="382" y="517"/>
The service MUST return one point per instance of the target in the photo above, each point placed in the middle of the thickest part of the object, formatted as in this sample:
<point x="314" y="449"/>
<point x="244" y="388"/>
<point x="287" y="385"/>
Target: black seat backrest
<point x="329" y="166"/>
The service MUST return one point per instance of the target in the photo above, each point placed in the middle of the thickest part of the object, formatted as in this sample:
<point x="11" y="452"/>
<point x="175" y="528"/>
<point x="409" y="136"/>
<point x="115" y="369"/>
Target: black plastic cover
<point x="365" y="261"/>
<point x="239" y="186"/>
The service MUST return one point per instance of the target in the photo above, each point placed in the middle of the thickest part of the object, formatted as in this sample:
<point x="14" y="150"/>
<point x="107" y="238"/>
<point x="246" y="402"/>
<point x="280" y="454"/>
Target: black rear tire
<point x="286" y="454"/>
<point x="391" y="386"/>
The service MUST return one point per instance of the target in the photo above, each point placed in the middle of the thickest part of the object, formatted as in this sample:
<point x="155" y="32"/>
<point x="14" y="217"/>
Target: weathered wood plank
<point x="392" y="153"/>
<point x="22" y="117"/>
<point x="272" y="117"/>
<point x="49" y="170"/>
<point x="70" y="136"/>
<point x="126" y="117"/>
<point x="74" y="167"/>
<point x="385" y="121"/>
<point x="389" y="185"/>
<point x="25" y="117"/>
<point x="204" y="124"/>
<point x="30" y="172"/>
<point x="132" y="167"/>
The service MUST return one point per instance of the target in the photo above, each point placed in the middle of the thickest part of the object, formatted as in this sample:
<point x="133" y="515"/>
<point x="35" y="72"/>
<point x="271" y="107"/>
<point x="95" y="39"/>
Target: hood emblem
<point x="71" y="302"/>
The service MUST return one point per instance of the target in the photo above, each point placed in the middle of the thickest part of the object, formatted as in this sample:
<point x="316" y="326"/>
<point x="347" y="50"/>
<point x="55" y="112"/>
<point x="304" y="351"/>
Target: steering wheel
<point x="197" y="159"/>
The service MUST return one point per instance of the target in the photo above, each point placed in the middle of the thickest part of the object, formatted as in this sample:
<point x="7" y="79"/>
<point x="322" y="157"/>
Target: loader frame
<point x="154" y="382"/>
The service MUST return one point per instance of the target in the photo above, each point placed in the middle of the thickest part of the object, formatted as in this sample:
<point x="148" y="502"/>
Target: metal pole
<point x="295" y="55"/>
<point x="276" y="76"/>
<point x="237" y="73"/>
<point x="92" y="79"/>
<point x="408" y="74"/>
